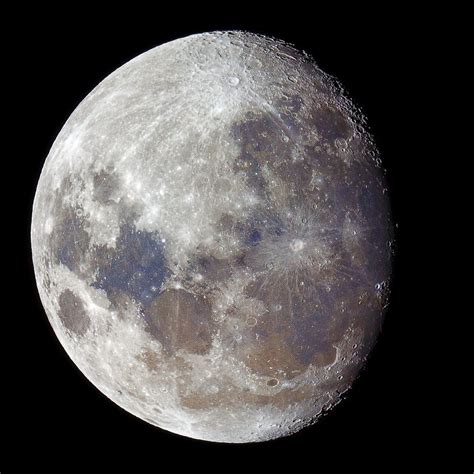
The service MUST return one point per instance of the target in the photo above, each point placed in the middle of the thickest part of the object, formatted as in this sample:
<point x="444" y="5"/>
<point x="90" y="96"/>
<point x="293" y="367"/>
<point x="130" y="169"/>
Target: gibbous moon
<point x="211" y="238"/>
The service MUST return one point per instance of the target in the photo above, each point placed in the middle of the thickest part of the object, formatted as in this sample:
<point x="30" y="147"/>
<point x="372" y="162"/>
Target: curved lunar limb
<point x="211" y="238"/>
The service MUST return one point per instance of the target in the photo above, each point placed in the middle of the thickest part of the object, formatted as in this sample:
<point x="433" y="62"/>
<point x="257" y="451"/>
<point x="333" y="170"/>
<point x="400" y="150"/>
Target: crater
<point x="296" y="245"/>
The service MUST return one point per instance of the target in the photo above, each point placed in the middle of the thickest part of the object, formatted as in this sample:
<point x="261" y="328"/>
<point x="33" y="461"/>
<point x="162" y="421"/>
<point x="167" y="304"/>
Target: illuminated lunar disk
<point x="211" y="238"/>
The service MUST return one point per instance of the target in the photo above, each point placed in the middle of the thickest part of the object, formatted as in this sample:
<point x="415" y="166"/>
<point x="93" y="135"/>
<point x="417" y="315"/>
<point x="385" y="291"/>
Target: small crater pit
<point x="251" y="322"/>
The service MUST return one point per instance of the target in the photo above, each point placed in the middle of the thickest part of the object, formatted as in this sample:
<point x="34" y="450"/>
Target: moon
<point x="211" y="238"/>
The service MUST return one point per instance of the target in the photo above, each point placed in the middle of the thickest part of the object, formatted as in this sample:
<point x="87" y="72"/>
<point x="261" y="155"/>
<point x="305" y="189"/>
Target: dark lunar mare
<point x="136" y="266"/>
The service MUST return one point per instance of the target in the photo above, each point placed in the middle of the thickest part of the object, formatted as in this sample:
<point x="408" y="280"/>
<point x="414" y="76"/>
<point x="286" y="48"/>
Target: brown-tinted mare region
<point x="181" y="321"/>
<point x="309" y="310"/>
<point x="72" y="313"/>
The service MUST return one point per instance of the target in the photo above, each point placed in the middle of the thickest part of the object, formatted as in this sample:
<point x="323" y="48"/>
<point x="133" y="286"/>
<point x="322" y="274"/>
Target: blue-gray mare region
<point x="136" y="266"/>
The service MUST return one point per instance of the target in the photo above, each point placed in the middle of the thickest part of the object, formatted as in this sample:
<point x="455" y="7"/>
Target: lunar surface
<point x="211" y="238"/>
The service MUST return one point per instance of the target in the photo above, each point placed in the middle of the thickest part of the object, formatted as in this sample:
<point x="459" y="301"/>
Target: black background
<point x="56" y="413"/>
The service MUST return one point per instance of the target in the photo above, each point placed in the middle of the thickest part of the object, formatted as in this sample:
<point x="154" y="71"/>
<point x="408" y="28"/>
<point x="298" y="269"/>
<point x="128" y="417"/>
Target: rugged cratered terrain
<point x="211" y="238"/>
